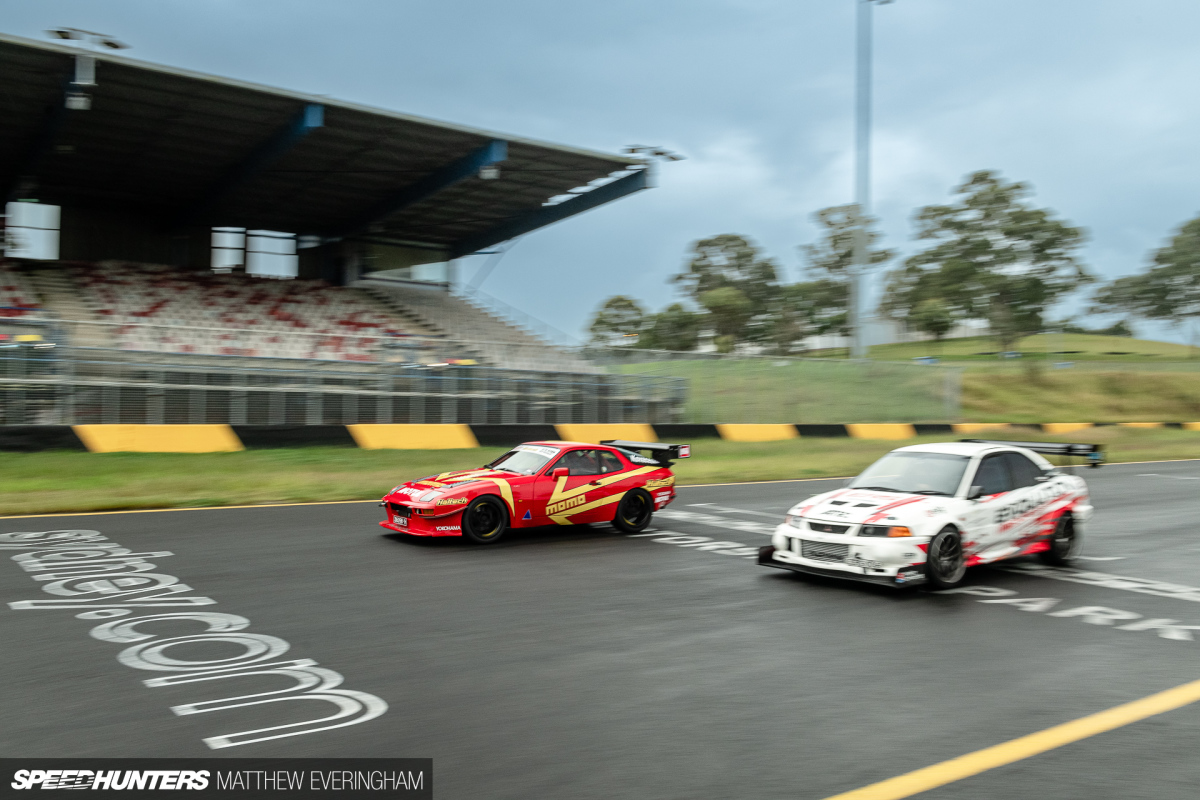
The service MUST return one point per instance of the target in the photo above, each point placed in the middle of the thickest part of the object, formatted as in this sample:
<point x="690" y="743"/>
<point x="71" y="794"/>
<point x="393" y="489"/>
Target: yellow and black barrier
<point x="232" y="438"/>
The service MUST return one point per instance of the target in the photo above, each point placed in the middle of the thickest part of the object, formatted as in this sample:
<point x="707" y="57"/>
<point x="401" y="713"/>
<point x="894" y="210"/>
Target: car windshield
<point x="525" y="459"/>
<point x="914" y="473"/>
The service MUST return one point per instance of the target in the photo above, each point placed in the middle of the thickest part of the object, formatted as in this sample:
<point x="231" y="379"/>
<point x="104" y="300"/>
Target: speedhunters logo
<point x="153" y="777"/>
<point x="110" y="779"/>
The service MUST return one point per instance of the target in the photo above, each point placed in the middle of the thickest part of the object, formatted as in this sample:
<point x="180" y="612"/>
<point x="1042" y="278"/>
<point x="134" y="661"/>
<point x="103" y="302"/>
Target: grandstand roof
<point x="189" y="149"/>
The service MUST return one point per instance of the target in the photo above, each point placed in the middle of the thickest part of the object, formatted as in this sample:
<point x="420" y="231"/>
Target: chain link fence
<point x="94" y="386"/>
<point x="415" y="380"/>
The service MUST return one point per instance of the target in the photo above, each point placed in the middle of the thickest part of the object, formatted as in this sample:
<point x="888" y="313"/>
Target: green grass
<point x="813" y="391"/>
<point x="41" y="483"/>
<point x="1081" y="396"/>
<point x="1048" y="346"/>
<point x="1155" y="382"/>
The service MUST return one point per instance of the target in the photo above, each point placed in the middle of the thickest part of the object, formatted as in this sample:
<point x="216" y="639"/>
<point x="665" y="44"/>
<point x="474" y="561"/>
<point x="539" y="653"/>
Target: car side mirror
<point x="560" y="472"/>
<point x="975" y="493"/>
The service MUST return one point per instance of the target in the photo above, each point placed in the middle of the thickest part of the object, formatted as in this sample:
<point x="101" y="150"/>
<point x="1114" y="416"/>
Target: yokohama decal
<point x="83" y="571"/>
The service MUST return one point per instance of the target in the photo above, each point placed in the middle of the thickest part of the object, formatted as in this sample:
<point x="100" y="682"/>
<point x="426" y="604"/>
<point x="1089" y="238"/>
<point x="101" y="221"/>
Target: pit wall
<point x="232" y="438"/>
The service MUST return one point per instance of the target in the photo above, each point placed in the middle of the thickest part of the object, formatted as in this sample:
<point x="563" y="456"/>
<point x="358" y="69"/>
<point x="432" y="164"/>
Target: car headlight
<point x="428" y="497"/>
<point x="795" y="520"/>
<point x="890" y="531"/>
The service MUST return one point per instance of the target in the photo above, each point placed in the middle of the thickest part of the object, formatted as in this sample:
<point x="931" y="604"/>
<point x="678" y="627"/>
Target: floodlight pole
<point x="862" y="172"/>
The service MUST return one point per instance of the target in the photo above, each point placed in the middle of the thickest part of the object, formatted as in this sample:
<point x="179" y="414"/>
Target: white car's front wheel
<point x="946" y="564"/>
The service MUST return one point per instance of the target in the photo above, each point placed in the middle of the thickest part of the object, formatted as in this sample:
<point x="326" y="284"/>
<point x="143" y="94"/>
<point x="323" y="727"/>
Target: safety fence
<point x="75" y="386"/>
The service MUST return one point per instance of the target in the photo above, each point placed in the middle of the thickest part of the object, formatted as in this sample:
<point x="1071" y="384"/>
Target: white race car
<point x="926" y="512"/>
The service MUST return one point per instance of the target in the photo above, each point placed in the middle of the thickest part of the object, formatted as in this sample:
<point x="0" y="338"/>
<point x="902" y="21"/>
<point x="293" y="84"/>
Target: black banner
<point x="407" y="778"/>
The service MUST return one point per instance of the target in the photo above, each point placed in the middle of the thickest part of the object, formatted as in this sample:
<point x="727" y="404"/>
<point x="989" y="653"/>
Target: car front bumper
<point x="904" y="574"/>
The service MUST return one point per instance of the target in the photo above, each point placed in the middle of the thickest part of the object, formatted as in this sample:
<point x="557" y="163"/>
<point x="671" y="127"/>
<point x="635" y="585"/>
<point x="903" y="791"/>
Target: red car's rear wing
<point x="1094" y="453"/>
<point x="660" y="451"/>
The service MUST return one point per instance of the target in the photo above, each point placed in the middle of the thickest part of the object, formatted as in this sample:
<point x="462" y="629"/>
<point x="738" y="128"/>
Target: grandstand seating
<point x="17" y="295"/>
<point x="167" y="309"/>
<point x="157" y="308"/>
<point x="485" y="335"/>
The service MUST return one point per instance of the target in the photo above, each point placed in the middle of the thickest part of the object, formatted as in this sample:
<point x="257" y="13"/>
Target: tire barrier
<point x="232" y="438"/>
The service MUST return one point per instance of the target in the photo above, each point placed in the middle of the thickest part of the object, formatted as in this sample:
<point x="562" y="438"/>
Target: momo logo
<point x="570" y="502"/>
<point x="110" y="779"/>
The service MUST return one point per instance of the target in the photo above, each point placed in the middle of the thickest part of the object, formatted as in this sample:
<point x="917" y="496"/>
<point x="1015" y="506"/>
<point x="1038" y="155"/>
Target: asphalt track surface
<point x="563" y="663"/>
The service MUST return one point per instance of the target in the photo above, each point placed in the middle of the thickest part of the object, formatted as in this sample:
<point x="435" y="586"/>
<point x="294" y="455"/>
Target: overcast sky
<point x="1093" y="102"/>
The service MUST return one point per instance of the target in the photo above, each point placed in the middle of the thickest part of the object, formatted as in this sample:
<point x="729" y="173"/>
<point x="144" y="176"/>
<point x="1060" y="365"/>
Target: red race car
<point x="540" y="483"/>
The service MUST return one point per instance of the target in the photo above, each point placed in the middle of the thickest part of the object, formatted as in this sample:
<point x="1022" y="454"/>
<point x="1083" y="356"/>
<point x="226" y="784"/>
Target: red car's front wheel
<point x="485" y="519"/>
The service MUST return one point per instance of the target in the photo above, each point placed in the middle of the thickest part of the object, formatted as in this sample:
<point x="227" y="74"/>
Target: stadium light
<point x="85" y="64"/>
<point x="862" y="171"/>
<point x="652" y="152"/>
<point x="91" y="38"/>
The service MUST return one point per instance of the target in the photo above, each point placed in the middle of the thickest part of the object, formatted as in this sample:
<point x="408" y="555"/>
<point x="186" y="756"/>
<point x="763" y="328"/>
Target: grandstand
<point x="158" y="159"/>
<point x="17" y="296"/>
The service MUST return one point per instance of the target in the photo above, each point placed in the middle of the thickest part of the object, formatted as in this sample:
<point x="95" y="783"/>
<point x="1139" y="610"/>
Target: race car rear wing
<point x="659" y="451"/>
<point x="1094" y="453"/>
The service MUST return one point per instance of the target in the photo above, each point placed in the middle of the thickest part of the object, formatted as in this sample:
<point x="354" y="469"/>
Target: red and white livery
<point x="925" y="513"/>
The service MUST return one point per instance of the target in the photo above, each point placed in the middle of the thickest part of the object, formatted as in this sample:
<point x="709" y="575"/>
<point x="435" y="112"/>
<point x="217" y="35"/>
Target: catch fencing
<point x="78" y="386"/>
<point x="409" y="381"/>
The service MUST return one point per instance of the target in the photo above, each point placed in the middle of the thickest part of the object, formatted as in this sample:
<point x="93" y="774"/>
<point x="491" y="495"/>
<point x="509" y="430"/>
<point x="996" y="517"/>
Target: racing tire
<point x="946" y="564"/>
<point x="1065" y="543"/>
<point x="634" y="511"/>
<point x="485" y="519"/>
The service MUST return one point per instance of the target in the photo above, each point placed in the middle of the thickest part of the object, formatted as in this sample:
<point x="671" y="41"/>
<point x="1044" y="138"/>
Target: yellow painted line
<point x="158" y="438"/>
<point x="956" y="769"/>
<point x="882" y="431"/>
<point x="977" y="427"/>
<point x="413" y="437"/>
<point x="1065" y="427"/>
<point x="1191" y="426"/>
<point x="1140" y="424"/>
<point x="757" y="433"/>
<point x="594" y="434"/>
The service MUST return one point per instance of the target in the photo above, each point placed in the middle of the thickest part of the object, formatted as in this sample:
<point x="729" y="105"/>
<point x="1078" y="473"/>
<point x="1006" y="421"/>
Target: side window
<point x="580" y="462"/>
<point x="1024" y="472"/>
<point x="993" y="475"/>
<point x="609" y="462"/>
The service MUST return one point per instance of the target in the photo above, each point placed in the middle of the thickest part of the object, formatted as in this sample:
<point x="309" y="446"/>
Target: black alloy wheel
<point x="485" y="519"/>
<point x="946" y="563"/>
<point x="634" y="511"/>
<point x="1065" y="543"/>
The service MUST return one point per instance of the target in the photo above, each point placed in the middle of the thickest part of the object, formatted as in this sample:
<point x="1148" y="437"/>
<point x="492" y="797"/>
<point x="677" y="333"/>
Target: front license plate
<point x="401" y="521"/>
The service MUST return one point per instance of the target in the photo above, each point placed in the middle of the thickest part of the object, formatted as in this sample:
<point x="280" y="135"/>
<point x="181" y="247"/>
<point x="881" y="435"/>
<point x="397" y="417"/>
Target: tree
<point x="673" y="328"/>
<point x="825" y="297"/>
<point x="732" y="262"/>
<point x="1169" y="290"/>
<point x="994" y="256"/>
<point x="933" y="316"/>
<point x="620" y="321"/>
<point x="729" y="310"/>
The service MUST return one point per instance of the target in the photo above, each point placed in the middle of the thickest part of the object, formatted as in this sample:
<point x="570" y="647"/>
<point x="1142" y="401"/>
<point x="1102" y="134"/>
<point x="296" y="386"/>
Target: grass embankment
<point x="1080" y="396"/>
<point x="38" y="483"/>
<point x="1077" y="347"/>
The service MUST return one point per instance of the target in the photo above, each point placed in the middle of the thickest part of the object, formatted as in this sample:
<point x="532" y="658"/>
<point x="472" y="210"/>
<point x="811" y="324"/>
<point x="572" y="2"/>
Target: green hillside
<point x="1050" y="346"/>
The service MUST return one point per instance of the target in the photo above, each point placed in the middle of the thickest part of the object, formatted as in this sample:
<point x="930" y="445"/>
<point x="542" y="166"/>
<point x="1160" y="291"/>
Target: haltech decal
<point x="555" y="508"/>
<point x="452" y="501"/>
<point x="659" y="483"/>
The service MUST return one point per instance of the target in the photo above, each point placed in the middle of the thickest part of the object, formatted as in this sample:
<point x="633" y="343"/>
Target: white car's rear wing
<point x="1094" y="453"/>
